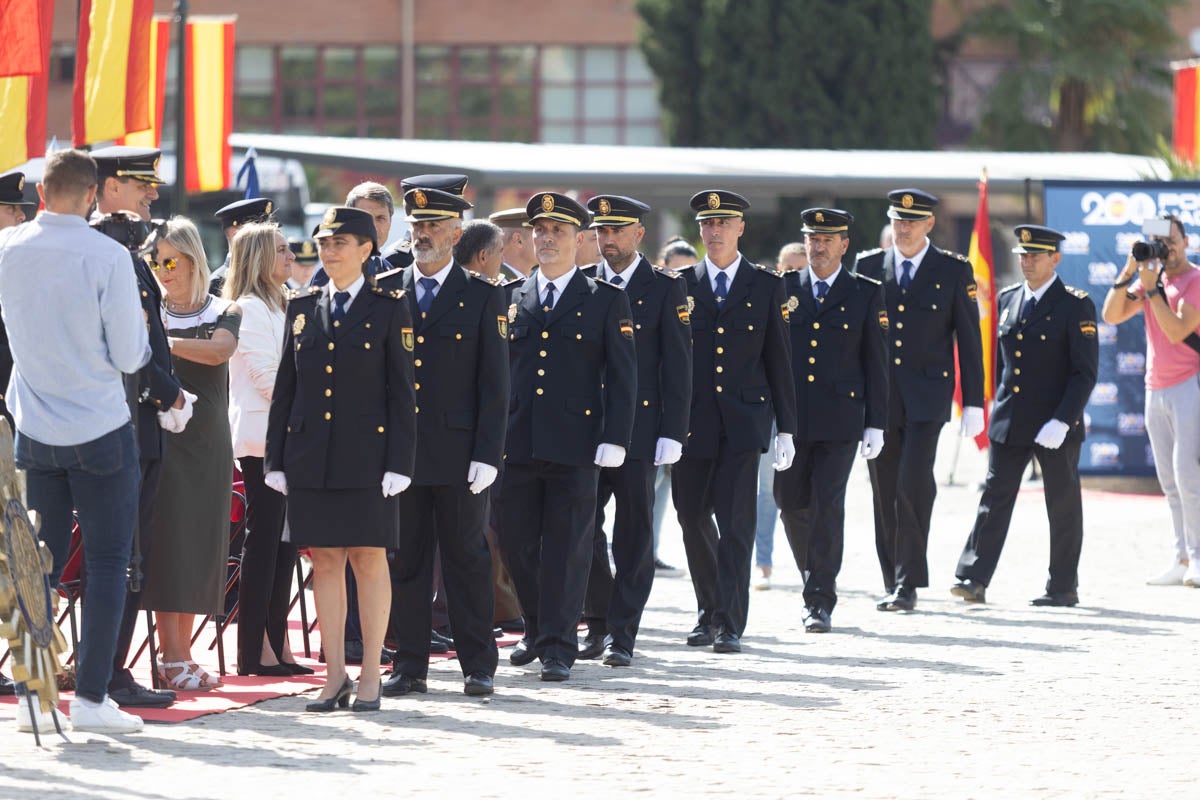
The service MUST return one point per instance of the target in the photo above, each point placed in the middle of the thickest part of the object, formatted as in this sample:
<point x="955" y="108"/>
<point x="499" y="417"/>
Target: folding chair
<point x="303" y="582"/>
<point x="237" y="538"/>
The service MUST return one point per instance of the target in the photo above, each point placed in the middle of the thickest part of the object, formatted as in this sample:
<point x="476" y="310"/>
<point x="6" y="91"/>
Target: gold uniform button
<point x="899" y="343"/>
<point x="417" y="387"/>
<point x="458" y="336"/>
<point x="542" y="354"/>
<point x="587" y="412"/>
<point x="328" y="415"/>
<point x="540" y="390"/>
<point x="1020" y="337"/>
<point x="329" y="392"/>
<point x="816" y="326"/>
<point x="897" y="361"/>
<point x="720" y="369"/>
<point x="380" y="429"/>
<point x="812" y="360"/>
<point x="367" y="345"/>
<point x="720" y="350"/>
<point x="899" y="326"/>
<point x="1018" y="354"/>
<point x="420" y="340"/>
<point x="645" y="402"/>
<point x="545" y="334"/>
<point x="331" y="345"/>
<point x="900" y="307"/>
<point x="541" y="372"/>
<point x="1016" y="389"/>
<point x="935" y="306"/>
<point x="945" y="374"/>
<point x="1043" y="337"/>
<point x="811" y="378"/>
<point x="328" y="369"/>
<point x="579" y="336"/>
<point x="416" y="410"/>
<point x="852" y="394"/>
<point x="812" y="343"/>
<point x="719" y="389"/>
<point x="749" y="327"/>
<point x="845" y="327"/>
<point x="145" y="293"/>
<point x="417" y="363"/>
<point x="720" y="330"/>
<point x="1017" y="371"/>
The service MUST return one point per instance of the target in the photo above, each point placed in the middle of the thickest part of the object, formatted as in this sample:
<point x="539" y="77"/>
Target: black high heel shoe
<point x="368" y="705"/>
<point x="296" y="669"/>
<point x="341" y="699"/>
<point x="272" y="671"/>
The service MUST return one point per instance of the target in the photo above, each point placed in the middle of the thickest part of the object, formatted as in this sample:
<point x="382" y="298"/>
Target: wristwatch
<point x="1152" y="292"/>
<point x="1122" y="284"/>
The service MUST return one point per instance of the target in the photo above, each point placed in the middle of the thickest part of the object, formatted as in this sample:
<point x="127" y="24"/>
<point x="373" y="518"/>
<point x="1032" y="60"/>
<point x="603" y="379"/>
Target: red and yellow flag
<point x="22" y="52"/>
<point x="156" y="86"/>
<point x="23" y="97"/>
<point x="980" y="256"/>
<point x="1187" y="107"/>
<point x="209" y="97"/>
<point x="112" y="70"/>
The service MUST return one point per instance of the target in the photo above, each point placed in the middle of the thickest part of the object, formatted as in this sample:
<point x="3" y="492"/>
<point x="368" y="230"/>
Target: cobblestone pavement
<point x="1001" y="700"/>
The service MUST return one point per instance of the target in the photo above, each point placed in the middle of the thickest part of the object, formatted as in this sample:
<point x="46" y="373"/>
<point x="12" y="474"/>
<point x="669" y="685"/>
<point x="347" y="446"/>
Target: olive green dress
<point x="185" y="567"/>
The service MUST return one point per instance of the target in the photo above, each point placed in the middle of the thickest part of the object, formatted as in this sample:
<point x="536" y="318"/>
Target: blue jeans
<point x="99" y="480"/>
<point x="768" y="514"/>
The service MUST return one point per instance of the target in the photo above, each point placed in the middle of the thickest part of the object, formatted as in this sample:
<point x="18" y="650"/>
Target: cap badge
<point x="155" y="167"/>
<point x="907" y="201"/>
<point x="1026" y="235"/>
<point x="330" y="216"/>
<point x="714" y="200"/>
<point x="420" y="199"/>
<point x="20" y="183"/>
<point x="547" y="203"/>
<point x="820" y="216"/>
<point x="605" y="207"/>
<point x="307" y="250"/>
<point x="267" y="208"/>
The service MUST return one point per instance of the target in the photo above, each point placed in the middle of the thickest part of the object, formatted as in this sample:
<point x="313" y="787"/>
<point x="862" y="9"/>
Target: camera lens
<point x="1144" y="251"/>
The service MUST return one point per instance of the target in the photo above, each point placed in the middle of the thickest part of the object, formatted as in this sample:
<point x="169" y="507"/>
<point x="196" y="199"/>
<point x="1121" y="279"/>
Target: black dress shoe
<point x="7" y="687"/>
<point x="398" y="684"/>
<point x="701" y="636"/>
<point x="339" y="700"/>
<point x="446" y="639"/>
<point x="354" y="654"/>
<point x="591" y="647"/>
<point x="438" y="647"/>
<point x="478" y="684"/>
<point x="135" y="695"/>
<point x="617" y="656"/>
<point x="1064" y="599"/>
<point x="273" y="671"/>
<point x="516" y="625"/>
<point x="970" y="590"/>
<point x="522" y="654"/>
<point x="902" y="598"/>
<point x="555" y="670"/>
<point x="726" y="642"/>
<point x="297" y="669"/>
<point x="817" y="621"/>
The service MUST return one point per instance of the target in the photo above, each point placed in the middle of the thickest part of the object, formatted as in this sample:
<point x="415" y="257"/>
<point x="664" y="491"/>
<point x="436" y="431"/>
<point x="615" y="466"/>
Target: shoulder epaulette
<point x="1080" y="293"/>
<point x="395" y="294"/>
<point x="959" y="256"/>
<point x="389" y="273"/>
<point x="307" y="291"/>
<point x="768" y="270"/>
<point x="1010" y="287"/>
<point x="402" y="247"/>
<point x="865" y="278"/>
<point x="602" y="282"/>
<point x="667" y="273"/>
<point x="496" y="281"/>
<point x="513" y="281"/>
<point x="866" y="253"/>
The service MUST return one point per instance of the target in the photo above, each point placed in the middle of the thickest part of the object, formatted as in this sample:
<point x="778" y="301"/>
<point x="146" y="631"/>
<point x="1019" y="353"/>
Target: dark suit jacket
<point x="573" y="372"/>
<point x="6" y="368"/>
<point x="741" y="362"/>
<point x="343" y="411"/>
<point x="839" y="357"/>
<point x="662" y="333"/>
<point x="1047" y="366"/>
<point x="938" y="309"/>
<point x="461" y="370"/>
<point x="157" y="387"/>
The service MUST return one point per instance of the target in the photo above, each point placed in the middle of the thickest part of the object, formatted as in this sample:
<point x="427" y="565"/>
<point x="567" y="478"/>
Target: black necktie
<point x="721" y="289"/>
<point x="822" y="290"/>
<point x="428" y="284"/>
<point x="339" y="305"/>
<point x="549" y="304"/>
<point x="1027" y="309"/>
<point x="905" y="274"/>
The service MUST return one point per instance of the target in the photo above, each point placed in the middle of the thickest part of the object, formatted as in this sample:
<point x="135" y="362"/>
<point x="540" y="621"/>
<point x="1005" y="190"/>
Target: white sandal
<point x="206" y="678"/>
<point x="185" y="680"/>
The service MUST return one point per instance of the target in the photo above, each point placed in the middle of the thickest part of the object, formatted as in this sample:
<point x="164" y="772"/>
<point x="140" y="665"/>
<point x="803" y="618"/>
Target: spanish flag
<point x="23" y="97"/>
<point x="112" y="70"/>
<point x="156" y="86"/>
<point x="23" y="52"/>
<point x="980" y="256"/>
<point x="209" y="97"/>
<point x="1187" y="108"/>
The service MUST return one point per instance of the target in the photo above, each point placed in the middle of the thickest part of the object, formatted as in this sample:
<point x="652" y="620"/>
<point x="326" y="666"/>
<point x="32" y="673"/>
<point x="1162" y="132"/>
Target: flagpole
<point x="181" y="11"/>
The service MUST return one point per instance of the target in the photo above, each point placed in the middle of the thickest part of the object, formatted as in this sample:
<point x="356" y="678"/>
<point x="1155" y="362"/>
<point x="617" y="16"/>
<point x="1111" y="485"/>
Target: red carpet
<point x="237" y="692"/>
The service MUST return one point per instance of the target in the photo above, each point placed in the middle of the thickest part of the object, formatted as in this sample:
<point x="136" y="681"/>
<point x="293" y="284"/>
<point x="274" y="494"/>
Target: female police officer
<point x="341" y="429"/>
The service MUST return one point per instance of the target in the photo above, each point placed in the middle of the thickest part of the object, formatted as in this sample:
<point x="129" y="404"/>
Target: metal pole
<point x="181" y="12"/>
<point x="408" y="66"/>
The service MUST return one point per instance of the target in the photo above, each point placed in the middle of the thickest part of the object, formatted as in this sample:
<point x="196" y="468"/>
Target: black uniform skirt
<point x="342" y="518"/>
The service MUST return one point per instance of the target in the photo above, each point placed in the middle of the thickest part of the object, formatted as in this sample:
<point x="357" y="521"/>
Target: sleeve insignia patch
<point x="972" y="291"/>
<point x="1088" y="329"/>
<point x="406" y="338"/>
<point x="685" y="314"/>
<point x="883" y="320"/>
<point x="626" y="326"/>
<point x="502" y="325"/>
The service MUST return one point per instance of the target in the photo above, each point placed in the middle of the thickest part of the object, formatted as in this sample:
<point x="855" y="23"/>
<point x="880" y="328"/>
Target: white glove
<point x="785" y="452"/>
<point x="481" y="476"/>
<point x="872" y="443"/>
<point x="394" y="484"/>
<point x="610" y="455"/>
<point x="972" y="422"/>
<point x="169" y="421"/>
<point x="1052" y="434"/>
<point x="183" y="415"/>
<point x="277" y="481"/>
<point x="667" y="451"/>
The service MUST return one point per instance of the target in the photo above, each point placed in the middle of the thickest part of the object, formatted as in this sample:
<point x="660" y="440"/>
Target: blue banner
<point x="1101" y="222"/>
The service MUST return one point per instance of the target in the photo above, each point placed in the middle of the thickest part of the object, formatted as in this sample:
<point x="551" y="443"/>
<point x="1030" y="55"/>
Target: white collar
<point x="916" y="260"/>
<point x="828" y="281"/>
<point x="1040" y="293"/>
<point x="626" y="276"/>
<point x="353" y="289"/>
<point x="730" y="271"/>
<point x="439" y="276"/>
<point x="560" y="283"/>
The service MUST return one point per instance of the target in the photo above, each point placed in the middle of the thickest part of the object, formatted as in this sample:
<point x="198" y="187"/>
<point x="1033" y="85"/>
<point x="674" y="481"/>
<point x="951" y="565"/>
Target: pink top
<point x="1170" y="364"/>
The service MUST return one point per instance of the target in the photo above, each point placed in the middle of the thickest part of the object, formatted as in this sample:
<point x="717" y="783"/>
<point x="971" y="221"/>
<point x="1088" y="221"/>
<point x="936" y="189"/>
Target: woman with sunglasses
<point x="260" y="264"/>
<point x="341" y="441"/>
<point x="186" y="568"/>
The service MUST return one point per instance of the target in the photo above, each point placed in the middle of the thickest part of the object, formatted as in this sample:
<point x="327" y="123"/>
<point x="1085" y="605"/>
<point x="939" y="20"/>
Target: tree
<point x="794" y="74"/>
<point x="1089" y="74"/>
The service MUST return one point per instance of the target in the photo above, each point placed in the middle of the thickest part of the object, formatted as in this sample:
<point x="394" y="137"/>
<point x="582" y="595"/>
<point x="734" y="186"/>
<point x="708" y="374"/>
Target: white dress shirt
<point x="730" y="272"/>
<point x="560" y="283"/>
<point x="916" y="260"/>
<point x="626" y="276"/>
<point x="439" y="276"/>
<point x="353" y="289"/>
<point x="827" y="281"/>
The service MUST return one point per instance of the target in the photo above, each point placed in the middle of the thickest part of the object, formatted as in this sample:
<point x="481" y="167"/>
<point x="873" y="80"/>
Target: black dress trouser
<point x="268" y="564"/>
<point x="904" y="490"/>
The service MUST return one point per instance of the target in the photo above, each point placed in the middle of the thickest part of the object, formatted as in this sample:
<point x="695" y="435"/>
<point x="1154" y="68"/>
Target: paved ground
<point x="968" y="702"/>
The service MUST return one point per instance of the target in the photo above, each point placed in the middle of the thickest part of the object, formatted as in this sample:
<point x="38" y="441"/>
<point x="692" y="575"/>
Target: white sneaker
<point x="762" y="583"/>
<point x="45" y="721"/>
<point x="104" y="718"/>
<point x="1192" y="576"/>
<point x="1172" y="577"/>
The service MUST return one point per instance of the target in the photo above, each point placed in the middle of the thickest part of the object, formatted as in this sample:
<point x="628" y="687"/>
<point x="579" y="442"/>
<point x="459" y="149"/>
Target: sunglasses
<point x="169" y="264"/>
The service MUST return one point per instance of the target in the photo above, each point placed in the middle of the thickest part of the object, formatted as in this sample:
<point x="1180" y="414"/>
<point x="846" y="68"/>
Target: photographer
<point x="1158" y="280"/>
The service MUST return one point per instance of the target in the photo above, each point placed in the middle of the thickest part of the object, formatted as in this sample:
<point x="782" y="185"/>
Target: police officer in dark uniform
<point x="461" y="370"/>
<point x="1047" y="360"/>
<point x="662" y="333"/>
<point x="574" y="383"/>
<point x="838" y="324"/>
<point x="14" y="209"/>
<point x="128" y="182"/>
<point x="741" y="380"/>
<point x="232" y="217"/>
<point x="307" y="261"/>
<point x="931" y="304"/>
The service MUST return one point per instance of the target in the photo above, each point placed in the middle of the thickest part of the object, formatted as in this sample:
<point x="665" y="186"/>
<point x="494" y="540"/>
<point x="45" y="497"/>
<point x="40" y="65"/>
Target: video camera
<point x="130" y="231"/>
<point x="1153" y="248"/>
